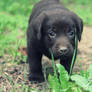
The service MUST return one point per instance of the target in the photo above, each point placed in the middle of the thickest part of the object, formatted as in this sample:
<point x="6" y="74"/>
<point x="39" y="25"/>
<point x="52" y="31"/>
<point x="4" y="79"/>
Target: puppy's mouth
<point x="58" y="55"/>
<point x="61" y="54"/>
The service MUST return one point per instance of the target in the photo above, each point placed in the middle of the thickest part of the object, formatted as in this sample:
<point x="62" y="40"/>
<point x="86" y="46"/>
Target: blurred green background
<point x="14" y="15"/>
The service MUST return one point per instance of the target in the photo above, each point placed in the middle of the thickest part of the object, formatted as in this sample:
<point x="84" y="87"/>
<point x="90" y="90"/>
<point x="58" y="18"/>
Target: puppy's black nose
<point x="63" y="50"/>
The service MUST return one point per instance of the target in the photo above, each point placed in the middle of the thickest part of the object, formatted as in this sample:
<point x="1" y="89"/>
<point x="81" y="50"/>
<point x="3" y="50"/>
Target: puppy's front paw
<point x="36" y="78"/>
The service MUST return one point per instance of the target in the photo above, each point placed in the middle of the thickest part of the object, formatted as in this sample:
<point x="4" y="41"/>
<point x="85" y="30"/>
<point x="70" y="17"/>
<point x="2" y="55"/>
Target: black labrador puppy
<point x="51" y="27"/>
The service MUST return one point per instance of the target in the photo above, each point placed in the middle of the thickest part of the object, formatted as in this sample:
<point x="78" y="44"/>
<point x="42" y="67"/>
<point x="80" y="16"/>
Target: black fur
<point x="51" y="26"/>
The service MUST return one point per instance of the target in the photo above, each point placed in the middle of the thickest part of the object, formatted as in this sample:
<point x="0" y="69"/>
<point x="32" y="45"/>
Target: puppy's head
<point x="56" y="31"/>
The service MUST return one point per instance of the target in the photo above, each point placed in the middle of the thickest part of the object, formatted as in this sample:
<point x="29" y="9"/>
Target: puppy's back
<point x="44" y="5"/>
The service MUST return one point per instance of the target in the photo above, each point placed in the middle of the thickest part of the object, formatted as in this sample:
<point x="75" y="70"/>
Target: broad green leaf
<point x="64" y="78"/>
<point x="54" y="83"/>
<point x="81" y="81"/>
<point x="63" y="73"/>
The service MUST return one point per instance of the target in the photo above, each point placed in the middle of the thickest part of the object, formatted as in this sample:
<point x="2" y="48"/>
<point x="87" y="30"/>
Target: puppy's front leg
<point x="35" y="66"/>
<point x="66" y="62"/>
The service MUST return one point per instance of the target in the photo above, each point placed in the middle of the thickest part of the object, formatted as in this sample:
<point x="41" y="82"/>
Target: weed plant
<point x="67" y="83"/>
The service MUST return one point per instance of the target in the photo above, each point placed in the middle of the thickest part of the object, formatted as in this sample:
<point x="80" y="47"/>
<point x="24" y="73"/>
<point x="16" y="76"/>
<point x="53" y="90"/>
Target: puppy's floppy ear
<point x="38" y="23"/>
<point x="79" y="26"/>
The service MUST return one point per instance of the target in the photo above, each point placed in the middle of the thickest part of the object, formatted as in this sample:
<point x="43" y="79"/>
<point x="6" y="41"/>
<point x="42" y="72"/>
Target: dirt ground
<point x="17" y="72"/>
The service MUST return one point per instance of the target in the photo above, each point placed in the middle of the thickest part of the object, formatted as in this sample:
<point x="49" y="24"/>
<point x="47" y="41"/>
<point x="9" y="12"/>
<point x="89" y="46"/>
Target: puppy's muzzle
<point x="63" y="50"/>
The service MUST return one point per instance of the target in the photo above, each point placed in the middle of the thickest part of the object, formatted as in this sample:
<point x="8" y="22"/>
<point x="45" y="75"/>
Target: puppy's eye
<point x="71" y="33"/>
<point x="52" y="34"/>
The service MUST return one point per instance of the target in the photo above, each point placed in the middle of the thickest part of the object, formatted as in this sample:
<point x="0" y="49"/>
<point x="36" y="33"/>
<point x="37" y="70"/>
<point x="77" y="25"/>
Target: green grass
<point x="14" y="15"/>
<point x="13" y="24"/>
<point x="82" y="8"/>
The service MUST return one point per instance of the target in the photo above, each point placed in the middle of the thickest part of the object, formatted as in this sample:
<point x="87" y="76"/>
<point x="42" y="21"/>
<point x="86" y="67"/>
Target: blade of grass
<point x="74" y="54"/>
